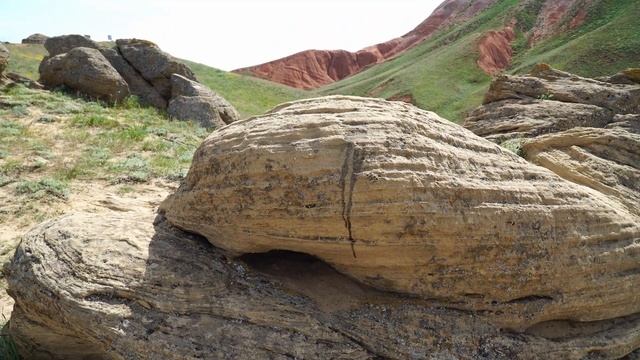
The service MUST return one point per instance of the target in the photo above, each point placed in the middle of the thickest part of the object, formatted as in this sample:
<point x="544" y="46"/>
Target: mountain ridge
<point x="312" y="69"/>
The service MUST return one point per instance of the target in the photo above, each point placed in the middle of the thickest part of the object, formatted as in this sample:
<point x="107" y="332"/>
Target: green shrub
<point x="94" y="120"/>
<point x="43" y="187"/>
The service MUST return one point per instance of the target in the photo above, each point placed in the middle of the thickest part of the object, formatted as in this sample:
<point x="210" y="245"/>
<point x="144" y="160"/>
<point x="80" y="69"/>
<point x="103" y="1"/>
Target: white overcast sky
<point x="226" y="34"/>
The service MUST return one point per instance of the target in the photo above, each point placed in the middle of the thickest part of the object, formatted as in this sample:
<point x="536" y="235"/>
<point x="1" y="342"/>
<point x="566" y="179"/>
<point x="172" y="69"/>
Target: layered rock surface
<point x="123" y="286"/>
<point x="585" y="130"/>
<point x="405" y="201"/>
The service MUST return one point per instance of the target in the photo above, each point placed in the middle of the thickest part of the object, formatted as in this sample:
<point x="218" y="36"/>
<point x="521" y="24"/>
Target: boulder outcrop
<point x="546" y="83"/>
<point x="589" y="134"/>
<point x="123" y="286"/>
<point x="37" y="39"/>
<point x="145" y="70"/>
<point x="191" y="100"/>
<point x="138" y="86"/>
<point x="405" y="201"/>
<point x="314" y="68"/>
<point x="342" y="227"/>
<point x="153" y="64"/>
<point x="64" y="43"/>
<point x="87" y="71"/>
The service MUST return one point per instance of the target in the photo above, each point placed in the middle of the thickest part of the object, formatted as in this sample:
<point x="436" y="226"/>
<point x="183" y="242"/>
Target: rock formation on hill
<point x="313" y="68"/>
<point x="192" y="100"/>
<point x="37" y="38"/>
<point x="587" y="131"/>
<point x="144" y="69"/>
<point x="64" y="43"/>
<point x="86" y="71"/>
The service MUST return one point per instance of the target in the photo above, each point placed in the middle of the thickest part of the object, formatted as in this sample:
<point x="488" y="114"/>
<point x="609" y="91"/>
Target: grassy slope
<point x="25" y="58"/>
<point x="441" y="74"/>
<point x="608" y="42"/>
<point x="249" y="95"/>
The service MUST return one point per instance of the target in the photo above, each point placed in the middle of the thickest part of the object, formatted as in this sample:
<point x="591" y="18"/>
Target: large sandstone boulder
<point x="191" y="100"/>
<point x="154" y="65"/>
<point x="4" y="58"/>
<point x="37" y="39"/>
<point x="405" y="201"/>
<point x="121" y="286"/>
<point x="63" y="44"/>
<point x="86" y="71"/>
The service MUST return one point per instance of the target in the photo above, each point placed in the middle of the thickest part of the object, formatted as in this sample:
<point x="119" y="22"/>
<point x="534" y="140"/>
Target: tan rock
<point x="114" y="285"/>
<point x="547" y="83"/>
<point x="511" y="119"/>
<point x="405" y="201"/>
<point x="606" y="160"/>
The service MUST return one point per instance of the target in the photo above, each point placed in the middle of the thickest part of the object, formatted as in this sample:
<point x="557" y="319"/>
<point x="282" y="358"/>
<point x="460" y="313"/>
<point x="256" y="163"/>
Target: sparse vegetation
<point x="84" y="141"/>
<point x="515" y="146"/>
<point x="8" y="350"/>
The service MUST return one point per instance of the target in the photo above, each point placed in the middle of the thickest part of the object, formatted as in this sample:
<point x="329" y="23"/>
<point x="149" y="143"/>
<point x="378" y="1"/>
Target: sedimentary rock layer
<point x="122" y="286"/>
<point x="405" y="201"/>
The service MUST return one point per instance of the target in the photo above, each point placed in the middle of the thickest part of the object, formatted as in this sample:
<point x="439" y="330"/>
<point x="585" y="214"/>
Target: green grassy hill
<point x="249" y="95"/>
<point x="441" y="73"/>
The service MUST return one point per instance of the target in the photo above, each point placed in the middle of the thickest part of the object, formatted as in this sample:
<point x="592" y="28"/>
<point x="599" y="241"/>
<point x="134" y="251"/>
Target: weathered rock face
<point x="145" y="70"/>
<point x="314" y="68"/>
<point x="405" y="201"/>
<point x="525" y="118"/>
<point x="607" y="160"/>
<point x="628" y="77"/>
<point x="154" y="65"/>
<point x="35" y="39"/>
<point x="63" y="44"/>
<point x="547" y="83"/>
<point x="191" y="100"/>
<point x="591" y="136"/>
<point x="137" y="84"/>
<point x="495" y="50"/>
<point x="121" y="286"/>
<point x="4" y="58"/>
<point x="87" y="71"/>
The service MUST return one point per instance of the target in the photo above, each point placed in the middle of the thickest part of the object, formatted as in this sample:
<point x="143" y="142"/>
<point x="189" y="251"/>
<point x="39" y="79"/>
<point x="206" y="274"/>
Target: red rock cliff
<point x="314" y="68"/>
